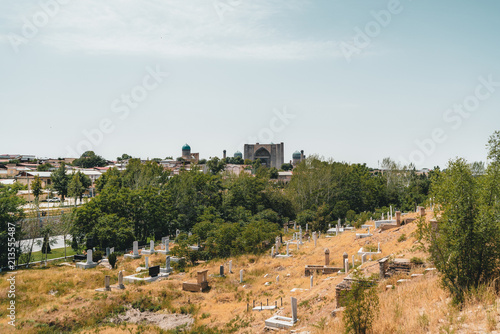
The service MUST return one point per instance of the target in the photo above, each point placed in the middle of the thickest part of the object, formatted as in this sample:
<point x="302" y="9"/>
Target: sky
<point x="354" y="81"/>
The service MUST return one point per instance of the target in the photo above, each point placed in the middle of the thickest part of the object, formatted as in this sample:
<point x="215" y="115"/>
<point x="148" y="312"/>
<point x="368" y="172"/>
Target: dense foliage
<point x="465" y="244"/>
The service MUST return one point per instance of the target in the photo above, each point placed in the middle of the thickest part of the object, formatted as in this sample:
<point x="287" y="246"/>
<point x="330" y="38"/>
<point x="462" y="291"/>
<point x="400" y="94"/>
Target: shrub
<point x="402" y="237"/>
<point x="96" y="256"/>
<point x="112" y="260"/>
<point x="361" y="305"/>
<point x="417" y="261"/>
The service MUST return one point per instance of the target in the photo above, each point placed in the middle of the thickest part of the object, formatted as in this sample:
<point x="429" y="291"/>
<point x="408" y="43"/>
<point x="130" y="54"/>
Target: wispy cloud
<point x="175" y="28"/>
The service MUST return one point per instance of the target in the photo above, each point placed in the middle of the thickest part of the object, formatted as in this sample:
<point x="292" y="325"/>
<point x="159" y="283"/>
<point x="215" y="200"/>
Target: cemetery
<point x="265" y="277"/>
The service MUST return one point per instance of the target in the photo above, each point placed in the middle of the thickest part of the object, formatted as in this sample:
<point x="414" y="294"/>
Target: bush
<point x="417" y="261"/>
<point x="112" y="260"/>
<point x="402" y="237"/>
<point x="96" y="256"/>
<point x="361" y="305"/>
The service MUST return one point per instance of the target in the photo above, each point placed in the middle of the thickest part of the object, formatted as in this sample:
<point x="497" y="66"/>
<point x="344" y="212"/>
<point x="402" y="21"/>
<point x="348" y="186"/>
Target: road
<point x="59" y="243"/>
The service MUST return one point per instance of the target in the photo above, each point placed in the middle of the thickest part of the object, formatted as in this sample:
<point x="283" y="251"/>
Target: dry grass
<point x="419" y="306"/>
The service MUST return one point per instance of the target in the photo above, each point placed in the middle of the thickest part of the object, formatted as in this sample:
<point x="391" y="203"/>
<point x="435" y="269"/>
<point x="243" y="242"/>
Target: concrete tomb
<point x="281" y="322"/>
<point x="200" y="285"/>
<point x="89" y="264"/>
<point x="135" y="254"/>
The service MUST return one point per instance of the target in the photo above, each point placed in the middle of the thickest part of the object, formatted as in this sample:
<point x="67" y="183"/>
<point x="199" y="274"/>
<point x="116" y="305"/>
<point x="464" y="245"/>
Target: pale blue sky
<point x="233" y="64"/>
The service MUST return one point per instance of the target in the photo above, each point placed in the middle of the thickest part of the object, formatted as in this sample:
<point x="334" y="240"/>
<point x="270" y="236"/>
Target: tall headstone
<point x="120" y="280"/>
<point x="294" y="310"/>
<point x="107" y="285"/>
<point x="147" y="262"/>
<point x="327" y="257"/>
<point x="136" y="248"/>
<point x="152" y="246"/>
<point x="353" y="263"/>
<point x="287" y="249"/>
<point x="378" y="250"/>
<point x="230" y="266"/>
<point x="272" y="251"/>
<point x="307" y="226"/>
<point x="398" y="218"/>
<point x="112" y="250"/>
<point x="167" y="263"/>
<point x="167" y="245"/>
<point x="294" y="225"/>
<point x="363" y="258"/>
<point x="346" y="266"/>
<point x="311" y="281"/>
<point x="344" y="257"/>
<point x="108" y="251"/>
<point x="241" y="276"/>
<point x="177" y="232"/>
<point x="382" y="216"/>
<point x="89" y="257"/>
<point x="221" y="270"/>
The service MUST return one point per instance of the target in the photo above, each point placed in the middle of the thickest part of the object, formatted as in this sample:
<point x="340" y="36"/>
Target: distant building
<point x="238" y="154"/>
<point x="297" y="157"/>
<point x="271" y="155"/>
<point x="188" y="156"/>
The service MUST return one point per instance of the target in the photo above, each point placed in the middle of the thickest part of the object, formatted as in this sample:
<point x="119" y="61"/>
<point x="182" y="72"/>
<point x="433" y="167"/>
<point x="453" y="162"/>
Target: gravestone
<point x="278" y="279"/>
<point x="89" y="263"/>
<point x="294" y="225"/>
<point x="241" y="276"/>
<point x="398" y="218"/>
<point x="221" y="270"/>
<point x="346" y="266"/>
<point x="112" y="250"/>
<point x="147" y="262"/>
<point x="108" y="251"/>
<point x="272" y="251"/>
<point x="353" y="264"/>
<point x="167" y="269"/>
<point x="107" y="286"/>
<point x="307" y="226"/>
<point x="327" y="257"/>
<point x="344" y="257"/>
<point x="135" y="253"/>
<point x="230" y="266"/>
<point x="120" y="280"/>
<point x="311" y="281"/>
<point x="154" y="271"/>
<point x="294" y="310"/>
<point x="287" y="249"/>
<point x="177" y="232"/>
<point x="363" y="258"/>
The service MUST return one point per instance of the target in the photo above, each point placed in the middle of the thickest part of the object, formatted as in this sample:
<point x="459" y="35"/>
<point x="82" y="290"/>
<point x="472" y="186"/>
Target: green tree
<point x="361" y="305"/>
<point x="89" y="160"/>
<point x="273" y="173"/>
<point x="287" y="166"/>
<point x="75" y="187"/>
<point x="124" y="156"/>
<point x="11" y="213"/>
<point x="60" y="181"/>
<point x="216" y="165"/>
<point x="466" y="246"/>
<point x="44" y="167"/>
<point x="36" y="187"/>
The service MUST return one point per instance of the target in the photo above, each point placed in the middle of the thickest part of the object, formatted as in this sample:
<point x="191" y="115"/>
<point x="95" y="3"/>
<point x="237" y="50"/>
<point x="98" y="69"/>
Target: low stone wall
<point x="309" y="270"/>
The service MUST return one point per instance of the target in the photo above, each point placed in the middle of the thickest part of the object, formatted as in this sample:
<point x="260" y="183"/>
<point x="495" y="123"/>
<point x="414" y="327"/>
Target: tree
<point x="287" y="166"/>
<point x="11" y="213"/>
<point x="89" y="160"/>
<point x="273" y="173"/>
<point x="465" y="248"/>
<point x="60" y="181"/>
<point x="44" y="167"/>
<point x="36" y="187"/>
<point x="216" y="165"/>
<point x="361" y="305"/>
<point x="124" y="156"/>
<point x="75" y="187"/>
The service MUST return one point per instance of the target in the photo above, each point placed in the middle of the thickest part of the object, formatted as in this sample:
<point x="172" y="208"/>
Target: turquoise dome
<point x="186" y="147"/>
<point x="296" y="155"/>
<point x="238" y="154"/>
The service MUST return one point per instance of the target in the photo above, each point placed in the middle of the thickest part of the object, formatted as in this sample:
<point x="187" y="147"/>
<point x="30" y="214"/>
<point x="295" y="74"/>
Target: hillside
<point x="63" y="298"/>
